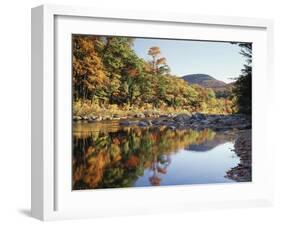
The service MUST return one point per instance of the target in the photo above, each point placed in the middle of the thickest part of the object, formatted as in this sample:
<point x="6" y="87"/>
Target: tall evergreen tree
<point x="243" y="85"/>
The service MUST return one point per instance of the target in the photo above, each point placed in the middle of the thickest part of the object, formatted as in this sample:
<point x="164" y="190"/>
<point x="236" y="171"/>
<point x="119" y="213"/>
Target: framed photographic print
<point x="136" y="112"/>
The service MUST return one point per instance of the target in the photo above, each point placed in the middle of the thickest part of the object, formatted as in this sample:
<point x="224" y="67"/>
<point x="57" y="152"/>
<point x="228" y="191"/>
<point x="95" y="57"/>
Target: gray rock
<point x="125" y="123"/>
<point x="151" y="114"/>
<point x="139" y="115"/>
<point x="182" y="118"/>
<point x="216" y="120"/>
<point x="76" y="118"/>
<point x="148" y="122"/>
<point x="198" y="116"/>
<point x="155" y="122"/>
<point x="205" y="121"/>
<point x="91" y="117"/>
<point x="144" y="123"/>
<point x="141" y="123"/>
<point x="220" y="128"/>
<point x="161" y="121"/>
<point x="98" y="119"/>
<point x="107" y="117"/>
<point x="243" y="126"/>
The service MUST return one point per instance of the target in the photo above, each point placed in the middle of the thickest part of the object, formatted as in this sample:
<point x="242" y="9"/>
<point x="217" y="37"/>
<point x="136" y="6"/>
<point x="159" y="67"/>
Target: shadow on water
<point x="108" y="156"/>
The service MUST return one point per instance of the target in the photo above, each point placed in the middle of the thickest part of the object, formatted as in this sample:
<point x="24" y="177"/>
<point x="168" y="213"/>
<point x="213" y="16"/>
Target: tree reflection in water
<point x="114" y="157"/>
<point x="159" y="167"/>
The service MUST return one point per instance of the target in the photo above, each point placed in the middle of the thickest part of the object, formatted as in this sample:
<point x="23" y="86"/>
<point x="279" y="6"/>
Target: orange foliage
<point x="116" y="141"/>
<point x="94" y="173"/>
<point x="133" y="161"/>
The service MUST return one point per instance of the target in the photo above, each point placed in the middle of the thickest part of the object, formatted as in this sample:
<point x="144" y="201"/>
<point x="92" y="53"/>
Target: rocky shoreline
<point x="179" y="121"/>
<point x="242" y="148"/>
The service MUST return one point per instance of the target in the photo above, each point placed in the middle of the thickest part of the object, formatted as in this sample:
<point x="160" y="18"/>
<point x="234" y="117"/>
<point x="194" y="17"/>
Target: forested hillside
<point x="109" y="78"/>
<point x="204" y="80"/>
<point x="221" y="89"/>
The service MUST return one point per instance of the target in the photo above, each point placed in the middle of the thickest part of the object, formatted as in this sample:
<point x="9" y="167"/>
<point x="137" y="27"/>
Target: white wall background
<point x="15" y="112"/>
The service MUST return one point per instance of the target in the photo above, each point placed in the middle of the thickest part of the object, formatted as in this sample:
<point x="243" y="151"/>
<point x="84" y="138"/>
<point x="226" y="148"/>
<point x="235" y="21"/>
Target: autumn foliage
<point x="108" y="74"/>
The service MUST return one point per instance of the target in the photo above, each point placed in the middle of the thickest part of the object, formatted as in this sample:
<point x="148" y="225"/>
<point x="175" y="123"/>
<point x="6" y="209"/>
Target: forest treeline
<point x="109" y="77"/>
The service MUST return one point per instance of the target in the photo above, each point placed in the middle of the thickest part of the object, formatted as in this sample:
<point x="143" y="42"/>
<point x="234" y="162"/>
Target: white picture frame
<point x="52" y="197"/>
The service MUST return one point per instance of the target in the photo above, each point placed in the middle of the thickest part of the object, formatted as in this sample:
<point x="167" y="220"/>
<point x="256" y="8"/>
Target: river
<point x="106" y="155"/>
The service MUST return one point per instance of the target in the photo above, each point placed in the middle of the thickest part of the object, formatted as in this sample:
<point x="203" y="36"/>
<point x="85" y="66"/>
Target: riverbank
<point x="124" y="116"/>
<point x="178" y="121"/>
<point x="243" y="149"/>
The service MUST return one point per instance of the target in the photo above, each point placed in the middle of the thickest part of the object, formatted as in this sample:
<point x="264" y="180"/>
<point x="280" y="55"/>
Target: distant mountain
<point x="221" y="88"/>
<point x="219" y="138"/>
<point x="204" y="80"/>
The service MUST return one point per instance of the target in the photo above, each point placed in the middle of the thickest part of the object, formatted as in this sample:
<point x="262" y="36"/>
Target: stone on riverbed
<point x="107" y="117"/>
<point x="127" y="123"/>
<point x="116" y="117"/>
<point x="182" y="118"/>
<point x="76" y="118"/>
<point x="149" y="114"/>
<point x="94" y="119"/>
<point x="198" y="116"/>
<point x="144" y="123"/>
<point x="98" y="119"/>
<point x="180" y="121"/>
<point x="161" y="121"/>
<point x="139" y="115"/>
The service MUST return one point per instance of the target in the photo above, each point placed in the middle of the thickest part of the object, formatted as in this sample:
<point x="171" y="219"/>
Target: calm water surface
<point x="106" y="155"/>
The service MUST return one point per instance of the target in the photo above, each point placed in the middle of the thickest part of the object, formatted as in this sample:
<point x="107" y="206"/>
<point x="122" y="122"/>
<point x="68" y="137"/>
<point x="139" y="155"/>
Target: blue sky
<point x="218" y="59"/>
